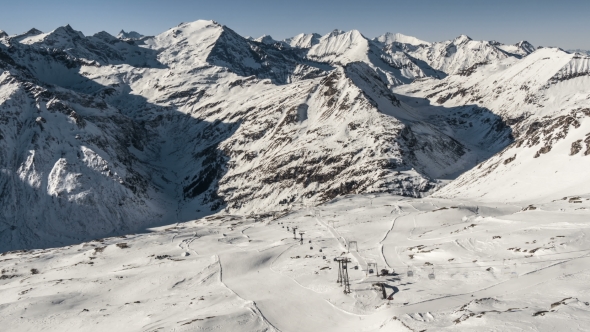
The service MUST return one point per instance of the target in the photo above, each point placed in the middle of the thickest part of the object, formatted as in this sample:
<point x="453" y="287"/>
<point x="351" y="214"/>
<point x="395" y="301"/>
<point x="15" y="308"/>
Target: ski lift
<point x="372" y="268"/>
<point x="431" y="276"/>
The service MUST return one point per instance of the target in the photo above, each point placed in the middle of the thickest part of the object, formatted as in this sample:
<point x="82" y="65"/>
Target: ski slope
<point x="496" y="267"/>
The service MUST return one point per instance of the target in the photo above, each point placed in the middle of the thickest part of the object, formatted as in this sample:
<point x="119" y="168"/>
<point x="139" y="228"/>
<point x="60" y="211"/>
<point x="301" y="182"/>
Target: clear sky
<point x="563" y="23"/>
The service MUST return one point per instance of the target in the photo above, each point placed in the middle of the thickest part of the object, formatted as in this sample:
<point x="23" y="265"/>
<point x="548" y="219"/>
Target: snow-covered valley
<point x="153" y="182"/>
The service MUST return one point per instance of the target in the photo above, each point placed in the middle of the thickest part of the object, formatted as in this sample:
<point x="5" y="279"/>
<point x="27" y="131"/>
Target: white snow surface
<point x="304" y="40"/>
<point x="389" y="38"/>
<point x="474" y="267"/>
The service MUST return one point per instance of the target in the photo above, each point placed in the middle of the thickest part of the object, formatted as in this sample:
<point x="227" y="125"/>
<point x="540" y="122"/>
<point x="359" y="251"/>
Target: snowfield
<point x="199" y="180"/>
<point x="499" y="267"/>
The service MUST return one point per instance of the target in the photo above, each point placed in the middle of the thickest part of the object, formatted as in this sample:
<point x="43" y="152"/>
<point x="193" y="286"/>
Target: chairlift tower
<point x="339" y="260"/>
<point x="372" y="267"/>
<point x="345" y="280"/>
<point x="301" y="235"/>
<point x="294" y="233"/>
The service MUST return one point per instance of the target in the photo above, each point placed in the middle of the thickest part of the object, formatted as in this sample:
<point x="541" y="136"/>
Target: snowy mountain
<point x="544" y="99"/>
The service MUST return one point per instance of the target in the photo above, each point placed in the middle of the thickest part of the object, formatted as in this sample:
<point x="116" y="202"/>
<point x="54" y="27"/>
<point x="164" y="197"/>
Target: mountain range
<point x="104" y="135"/>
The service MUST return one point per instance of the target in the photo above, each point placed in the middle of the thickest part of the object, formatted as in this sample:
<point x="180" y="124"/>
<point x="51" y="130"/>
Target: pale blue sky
<point x="563" y="23"/>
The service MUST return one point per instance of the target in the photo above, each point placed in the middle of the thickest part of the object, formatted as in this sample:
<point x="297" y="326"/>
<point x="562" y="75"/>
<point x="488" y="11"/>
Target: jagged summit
<point x="266" y="39"/>
<point x="32" y="32"/>
<point x="334" y="33"/>
<point x="462" y="39"/>
<point x="62" y="37"/>
<point x="129" y="35"/>
<point x="522" y="48"/>
<point x="3" y="34"/>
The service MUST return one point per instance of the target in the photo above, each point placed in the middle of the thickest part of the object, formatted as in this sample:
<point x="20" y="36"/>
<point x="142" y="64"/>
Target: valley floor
<point x="475" y="266"/>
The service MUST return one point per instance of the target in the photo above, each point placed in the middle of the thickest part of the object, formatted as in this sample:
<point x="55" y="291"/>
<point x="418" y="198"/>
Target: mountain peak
<point x="3" y="34"/>
<point x="525" y="46"/>
<point x="335" y="32"/>
<point x="33" y="32"/>
<point x="462" y="39"/>
<point x="303" y="40"/>
<point x="390" y="38"/>
<point x="69" y="31"/>
<point x="129" y="35"/>
<point x="265" y="39"/>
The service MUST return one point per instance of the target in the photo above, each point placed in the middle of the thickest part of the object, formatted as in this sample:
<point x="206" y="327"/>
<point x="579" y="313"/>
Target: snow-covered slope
<point x="544" y="98"/>
<point x="72" y="167"/>
<point x="451" y="265"/>
<point x="390" y="38"/>
<point x="304" y="40"/>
